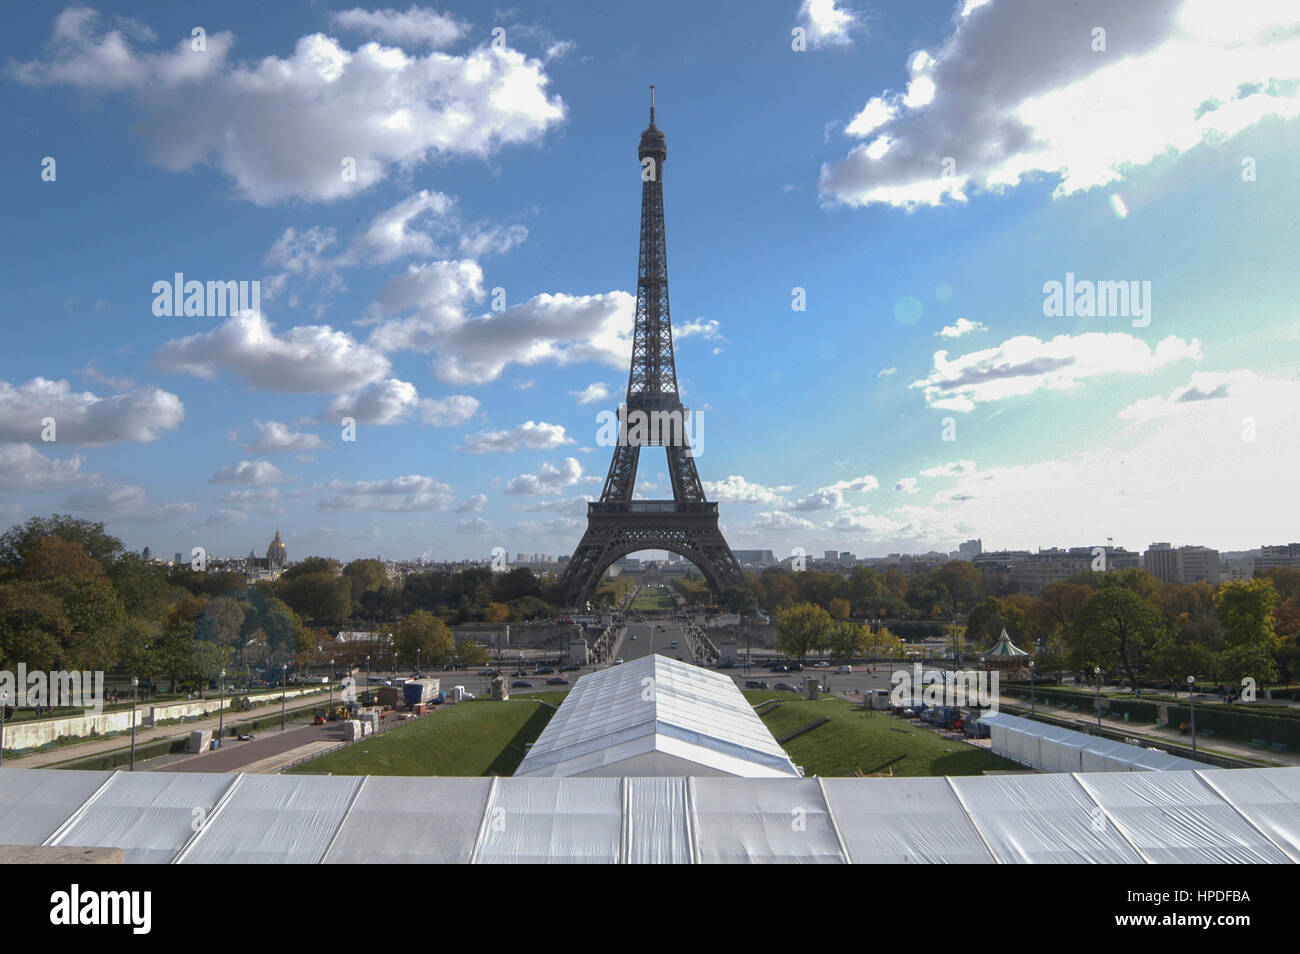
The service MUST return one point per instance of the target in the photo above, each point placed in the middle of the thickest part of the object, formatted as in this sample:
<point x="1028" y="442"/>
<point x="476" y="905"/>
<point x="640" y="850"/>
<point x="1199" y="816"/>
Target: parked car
<point x="572" y="667"/>
<point x="821" y="664"/>
<point x="844" y="669"/>
<point x="618" y="662"/>
<point x="520" y="672"/>
<point x="785" y="687"/>
<point x="521" y="684"/>
<point x="755" y="684"/>
<point x="487" y="672"/>
<point x="557" y="681"/>
<point x="544" y="671"/>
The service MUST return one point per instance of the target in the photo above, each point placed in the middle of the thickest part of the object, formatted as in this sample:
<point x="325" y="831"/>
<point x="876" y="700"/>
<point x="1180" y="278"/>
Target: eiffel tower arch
<point x="617" y="524"/>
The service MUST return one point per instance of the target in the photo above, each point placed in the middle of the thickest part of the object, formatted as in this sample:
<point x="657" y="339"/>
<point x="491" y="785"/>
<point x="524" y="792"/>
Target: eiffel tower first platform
<point x="616" y="524"/>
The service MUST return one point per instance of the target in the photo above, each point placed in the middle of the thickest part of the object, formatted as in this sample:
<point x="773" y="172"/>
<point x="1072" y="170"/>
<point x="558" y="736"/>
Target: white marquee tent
<point x="1208" y="816"/>
<point x="656" y="716"/>
<point x="1051" y="748"/>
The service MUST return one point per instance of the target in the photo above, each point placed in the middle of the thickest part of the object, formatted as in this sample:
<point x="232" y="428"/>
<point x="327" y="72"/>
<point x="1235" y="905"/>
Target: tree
<point x="496" y="613"/>
<point x="848" y="640"/>
<point x="883" y="644"/>
<point x="323" y="597"/>
<point x="221" y="622"/>
<point x="427" y="634"/>
<point x="802" y="628"/>
<point x="33" y="627"/>
<point x="1245" y="610"/>
<point x="365" y="576"/>
<point x="18" y="540"/>
<point x="1116" y="625"/>
<point x="839" y="608"/>
<point x="471" y="653"/>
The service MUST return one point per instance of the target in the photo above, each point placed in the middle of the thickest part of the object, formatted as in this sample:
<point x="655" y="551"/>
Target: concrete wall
<point x="31" y="735"/>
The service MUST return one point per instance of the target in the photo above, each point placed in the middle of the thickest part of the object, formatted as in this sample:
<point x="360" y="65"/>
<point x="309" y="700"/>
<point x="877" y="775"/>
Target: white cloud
<point x="308" y="358"/>
<point x="274" y="436"/>
<point x="1017" y="91"/>
<point x="596" y="391"/>
<point x="254" y="472"/>
<point x="574" y="506"/>
<point x="534" y="435"/>
<point x="907" y="485"/>
<point x="472" y="504"/>
<point x="956" y="468"/>
<point x="708" y="329"/>
<point x="125" y="501"/>
<point x="415" y="27"/>
<point x="832" y="497"/>
<point x="1204" y="386"/>
<point x="826" y="24"/>
<point x="473" y="525"/>
<point x="886" y="372"/>
<point x="495" y="240"/>
<point x="406" y="494"/>
<point x="963" y="326"/>
<point x="143" y="414"/>
<point x="283" y="127"/>
<point x="22" y="467"/>
<point x="736" y="489"/>
<point x="1024" y="364"/>
<point x="780" y="520"/>
<point x="549" y="479"/>
<point x="226" y="518"/>
<point x="451" y="411"/>
<point x="391" y="234"/>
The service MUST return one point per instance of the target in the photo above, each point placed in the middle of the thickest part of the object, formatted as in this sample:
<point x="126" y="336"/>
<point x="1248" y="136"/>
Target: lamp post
<point x="1097" y="672"/>
<point x="221" y="712"/>
<point x="1191" y="702"/>
<point x="135" y="701"/>
<point x="417" y="662"/>
<point x="4" y="701"/>
<point x="284" y="689"/>
<point x="330" y="710"/>
<point x="1031" y="687"/>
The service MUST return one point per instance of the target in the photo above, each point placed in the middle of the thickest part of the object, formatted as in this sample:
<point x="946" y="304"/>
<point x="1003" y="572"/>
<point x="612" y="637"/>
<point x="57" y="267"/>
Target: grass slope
<point x="472" y="738"/>
<point x="855" y="739"/>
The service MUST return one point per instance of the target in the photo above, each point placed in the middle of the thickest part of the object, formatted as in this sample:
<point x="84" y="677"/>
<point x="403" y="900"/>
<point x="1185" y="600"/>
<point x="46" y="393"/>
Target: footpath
<point x="86" y="748"/>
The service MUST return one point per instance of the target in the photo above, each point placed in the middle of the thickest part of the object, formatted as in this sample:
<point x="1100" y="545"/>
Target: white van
<point x="844" y="669"/>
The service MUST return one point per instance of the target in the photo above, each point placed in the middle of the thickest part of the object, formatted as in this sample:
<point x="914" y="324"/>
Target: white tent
<point x="1051" y="748"/>
<point x="1208" y="816"/>
<point x="656" y="716"/>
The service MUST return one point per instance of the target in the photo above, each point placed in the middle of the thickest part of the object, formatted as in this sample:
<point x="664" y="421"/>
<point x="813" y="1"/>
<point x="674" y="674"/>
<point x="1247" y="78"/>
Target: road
<point x="643" y="639"/>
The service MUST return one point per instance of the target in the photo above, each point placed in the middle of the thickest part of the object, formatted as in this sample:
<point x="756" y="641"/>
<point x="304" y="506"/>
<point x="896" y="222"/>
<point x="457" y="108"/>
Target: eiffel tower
<point x="688" y="523"/>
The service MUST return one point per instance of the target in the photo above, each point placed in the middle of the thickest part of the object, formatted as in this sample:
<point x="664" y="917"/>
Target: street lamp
<point x="1031" y="687"/>
<point x="331" y="708"/>
<point x="1097" y="672"/>
<point x="4" y="701"/>
<point x="1191" y="701"/>
<point x="284" y="688"/>
<point x="221" y="712"/>
<point x="135" y="701"/>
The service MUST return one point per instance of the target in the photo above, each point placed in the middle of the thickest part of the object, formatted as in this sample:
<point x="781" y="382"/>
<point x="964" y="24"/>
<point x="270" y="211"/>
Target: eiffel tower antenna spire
<point x="653" y="415"/>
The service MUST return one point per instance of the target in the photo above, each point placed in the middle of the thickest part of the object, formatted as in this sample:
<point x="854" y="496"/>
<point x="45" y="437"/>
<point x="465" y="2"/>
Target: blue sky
<point x="921" y="174"/>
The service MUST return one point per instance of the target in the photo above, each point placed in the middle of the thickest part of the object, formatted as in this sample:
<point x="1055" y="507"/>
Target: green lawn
<point x="855" y="739"/>
<point x="654" y="599"/>
<point x="473" y="738"/>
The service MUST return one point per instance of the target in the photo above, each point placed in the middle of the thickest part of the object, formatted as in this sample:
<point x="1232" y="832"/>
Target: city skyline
<point x="882" y="341"/>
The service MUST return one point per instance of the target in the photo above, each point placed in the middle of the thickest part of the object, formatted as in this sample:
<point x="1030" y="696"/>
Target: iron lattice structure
<point x="688" y="523"/>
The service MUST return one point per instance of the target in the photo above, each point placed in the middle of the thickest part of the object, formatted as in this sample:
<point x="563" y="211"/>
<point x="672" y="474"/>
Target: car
<point x="634" y="637"/>
<point x="487" y="672"/>
<point x="785" y="687"/>
<point x="557" y="681"/>
<point x="544" y="671"/>
<point x="521" y="684"/>
<point x="821" y="664"/>
<point x="520" y="672"/>
<point x="777" y="667"/>
<point x="845" y="670"/>
<point x="618" y="662"/>
<point x="572" y="667"/>
<point x="246" y="737"/>
<point x="755" y="684"/>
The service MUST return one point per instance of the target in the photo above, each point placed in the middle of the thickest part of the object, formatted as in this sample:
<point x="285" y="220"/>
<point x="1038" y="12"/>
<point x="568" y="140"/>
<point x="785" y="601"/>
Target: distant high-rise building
<point x="761" y="557"/>
<point x="1270" y="556"/>
<point x="846" y="556"/>
<point x="178" y="561"/>
<point x="1162" y="562"/>
<point x="970" y="549"/>
<point x="146" y="554"/>
<point x="832" y="556"/>
<point x="1198" y="563"/>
